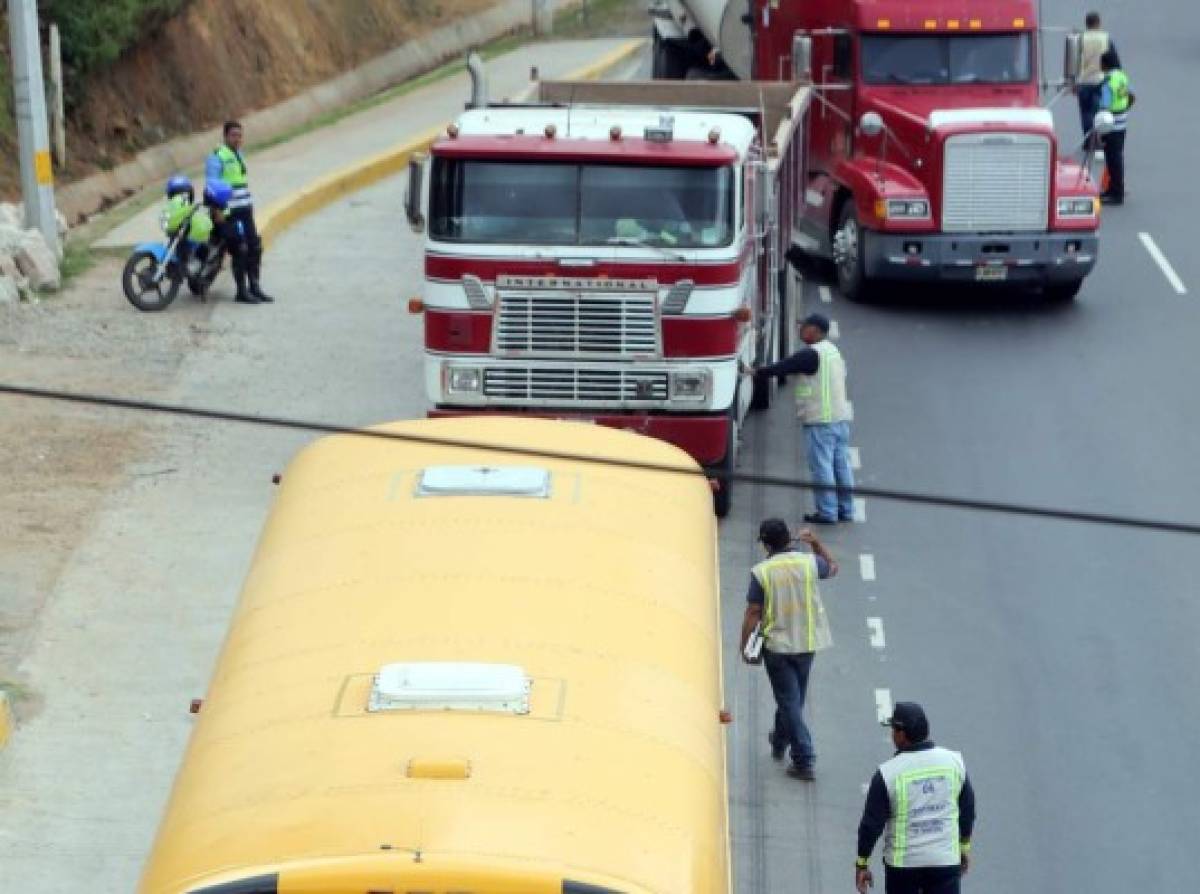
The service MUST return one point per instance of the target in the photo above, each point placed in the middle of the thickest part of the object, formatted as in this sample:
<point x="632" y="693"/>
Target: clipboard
<point x="754" y="644"/>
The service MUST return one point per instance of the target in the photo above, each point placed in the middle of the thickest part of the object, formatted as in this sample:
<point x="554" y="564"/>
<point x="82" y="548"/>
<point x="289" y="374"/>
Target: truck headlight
<point x="463" y="379"/>
<point x="907" y="208"/>
<point x="1077" y="207"/>
<point x="690" y="385"/>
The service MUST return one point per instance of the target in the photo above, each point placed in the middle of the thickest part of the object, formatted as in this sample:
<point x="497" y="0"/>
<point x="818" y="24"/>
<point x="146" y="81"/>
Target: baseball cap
<point x="910" y="718"/>
<point x="818" y="320"/>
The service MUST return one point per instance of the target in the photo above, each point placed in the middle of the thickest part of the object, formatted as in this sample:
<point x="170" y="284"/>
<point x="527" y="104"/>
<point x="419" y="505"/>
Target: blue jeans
<point x="789" y="681"/>
<point x="829" y="463"/>
<point x="1089" y="105"/>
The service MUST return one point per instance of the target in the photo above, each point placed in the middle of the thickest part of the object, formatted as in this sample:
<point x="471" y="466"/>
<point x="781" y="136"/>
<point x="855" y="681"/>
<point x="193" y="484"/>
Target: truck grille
<point x="996" y="182"/>
<point x="582" y="385"/>
<point x="572" y="324"/>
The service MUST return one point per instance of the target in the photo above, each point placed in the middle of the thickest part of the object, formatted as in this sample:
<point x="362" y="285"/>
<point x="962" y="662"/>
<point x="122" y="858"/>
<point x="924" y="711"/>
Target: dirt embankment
<point x="217" y="60"/>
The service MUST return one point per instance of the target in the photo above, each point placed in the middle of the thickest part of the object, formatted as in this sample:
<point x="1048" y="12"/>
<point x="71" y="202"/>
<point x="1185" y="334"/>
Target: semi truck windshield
<point x="580" y="204"/>
<point x="947" y="59"/>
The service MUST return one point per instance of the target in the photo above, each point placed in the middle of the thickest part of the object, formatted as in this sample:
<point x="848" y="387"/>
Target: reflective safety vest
<point x="233" y="172"/>
<point x="923" y="788"/>
<point x="821" y="398"/>
<point x="794" y="618"/>
<point x="1094" y="45"/>
<point x="1118" y="86"/>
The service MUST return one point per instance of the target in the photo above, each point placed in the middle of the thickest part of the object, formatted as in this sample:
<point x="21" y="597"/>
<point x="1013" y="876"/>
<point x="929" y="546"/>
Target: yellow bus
<point x="460" y="671"/>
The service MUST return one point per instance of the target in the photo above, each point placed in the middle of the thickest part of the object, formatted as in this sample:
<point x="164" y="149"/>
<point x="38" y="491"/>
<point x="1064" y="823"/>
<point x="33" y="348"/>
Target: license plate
<point x="990" y="273"/>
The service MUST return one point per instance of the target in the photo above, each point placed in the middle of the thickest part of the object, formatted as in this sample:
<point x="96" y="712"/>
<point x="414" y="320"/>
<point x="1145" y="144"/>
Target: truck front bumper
<point x="704" y="437"/>
<point x="1025" y="259"/>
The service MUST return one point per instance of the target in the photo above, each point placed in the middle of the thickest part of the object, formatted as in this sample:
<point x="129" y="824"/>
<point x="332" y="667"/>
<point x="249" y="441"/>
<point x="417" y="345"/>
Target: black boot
<point x="257" y="292"/>
<point x="243" y="296"/>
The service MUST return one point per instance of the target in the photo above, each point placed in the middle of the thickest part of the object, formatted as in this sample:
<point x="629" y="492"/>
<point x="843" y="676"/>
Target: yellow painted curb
<point x="6" y="720"/>
<point x="298" y="205"/>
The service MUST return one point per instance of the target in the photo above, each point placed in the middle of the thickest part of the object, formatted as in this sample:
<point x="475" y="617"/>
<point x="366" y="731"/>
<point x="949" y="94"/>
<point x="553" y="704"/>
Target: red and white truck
<point x="613" y="252"/>
<point x="930" y="155"/>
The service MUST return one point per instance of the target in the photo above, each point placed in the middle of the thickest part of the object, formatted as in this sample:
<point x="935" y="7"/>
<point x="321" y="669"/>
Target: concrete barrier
<point x="281" y="214"/>
<point x="85" y="197"/>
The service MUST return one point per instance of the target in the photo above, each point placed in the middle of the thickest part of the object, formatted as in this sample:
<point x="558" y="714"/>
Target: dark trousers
<point x="1114" y="160"/>
<point x="1089" y="105"/>
<point x="922" y="880"/>
<point x="242" y="221"/>
<point x="788" y="674"/>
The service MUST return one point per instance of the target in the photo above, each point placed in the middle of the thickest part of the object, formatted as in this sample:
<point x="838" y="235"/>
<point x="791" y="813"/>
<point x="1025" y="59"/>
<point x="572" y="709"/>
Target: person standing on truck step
<point x="784" y="602"/>
<point x="825" y="414"/>
<point x="922" y="802"/>
<point x="1095" y="43"/>
<point x="1116" y="97"/>
<point x="227" y="164"/>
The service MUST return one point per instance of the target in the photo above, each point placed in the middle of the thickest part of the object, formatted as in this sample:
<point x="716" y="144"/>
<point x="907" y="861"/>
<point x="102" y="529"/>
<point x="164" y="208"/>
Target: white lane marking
<point x="875" y="625"/>
<point x="826" y="296"/>
<point x="866" y="565"/>
<point x="866" y="787"/>
<point x="855" y="459"/>
<point x="849" y="411"/>
<point x="1163" y="264"/>
<point x="883" y="704"/>
<point x="860" y="509"/>
<point x="834" y="330"/>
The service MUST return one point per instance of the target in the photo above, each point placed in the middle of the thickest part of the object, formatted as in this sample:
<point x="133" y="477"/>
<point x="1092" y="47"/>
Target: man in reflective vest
<point x="784" y="603"/>
<point x="1116" y="97"/>
<point x="226" y="164"/>
<point x="824" y="411"/>
<point x="922" y="802"/>
<point x="1095" y="42"/>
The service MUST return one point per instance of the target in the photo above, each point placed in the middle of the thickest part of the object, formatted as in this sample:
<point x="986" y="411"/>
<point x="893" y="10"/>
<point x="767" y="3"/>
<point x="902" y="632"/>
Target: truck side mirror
<point x="1072" y="56"/>
<point x="870" y="124"/>
<point x="412" y="195"/>
<point x="801" y="57"/>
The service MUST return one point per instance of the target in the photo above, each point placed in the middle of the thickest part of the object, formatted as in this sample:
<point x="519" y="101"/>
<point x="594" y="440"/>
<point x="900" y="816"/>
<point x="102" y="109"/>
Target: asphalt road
<point x="1056" y="656"/>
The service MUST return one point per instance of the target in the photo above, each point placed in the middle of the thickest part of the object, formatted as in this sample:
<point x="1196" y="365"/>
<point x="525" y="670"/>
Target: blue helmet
<point x="218" y="193"/>
<point x="179" y="184"/>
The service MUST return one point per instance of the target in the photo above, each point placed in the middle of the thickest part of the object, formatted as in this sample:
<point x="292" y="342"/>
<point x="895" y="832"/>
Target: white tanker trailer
<point x="684" y="32"/>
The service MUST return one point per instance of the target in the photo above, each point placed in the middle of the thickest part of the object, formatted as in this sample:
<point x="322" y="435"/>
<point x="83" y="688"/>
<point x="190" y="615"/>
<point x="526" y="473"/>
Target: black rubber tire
<point x="668" y="63"/>
<point x="142" y="294"/>
<point x="760" y="395"/>
<point x="851" y="273"/>
<point x="786" y="306"/>
<point x="723" y="495"/>
<point x="1062" y="292"/>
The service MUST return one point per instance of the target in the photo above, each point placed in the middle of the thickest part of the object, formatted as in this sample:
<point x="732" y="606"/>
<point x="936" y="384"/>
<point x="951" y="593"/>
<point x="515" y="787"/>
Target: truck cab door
<point x="831" y="126"/>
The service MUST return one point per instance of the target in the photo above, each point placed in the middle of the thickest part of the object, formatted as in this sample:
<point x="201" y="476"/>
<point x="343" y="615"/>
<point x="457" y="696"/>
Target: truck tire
<point x="760" y="395"/>
<point x="786" y="306"/>
<point x="667" y="63"/>
<point x="1063" y="291"/>
<point x="848" y="256"/>
<point x="723" y="495"/>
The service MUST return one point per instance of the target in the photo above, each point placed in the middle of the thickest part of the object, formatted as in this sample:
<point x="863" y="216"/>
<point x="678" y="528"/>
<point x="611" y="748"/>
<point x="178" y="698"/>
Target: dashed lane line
<point x="835" y="331"/>
<point x="875" y="625"/>
<point x="825" y="294"/>
<point x="883" y="704"/>
<point x="855" y="459"/>
<point x="866" y="566"/>
<point x="1163" y="264"/>
<point x="860" y="509"/>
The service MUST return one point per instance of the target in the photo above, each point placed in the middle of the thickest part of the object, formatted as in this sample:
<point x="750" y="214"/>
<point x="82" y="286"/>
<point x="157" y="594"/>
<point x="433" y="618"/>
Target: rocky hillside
<point x="214" y="59"/>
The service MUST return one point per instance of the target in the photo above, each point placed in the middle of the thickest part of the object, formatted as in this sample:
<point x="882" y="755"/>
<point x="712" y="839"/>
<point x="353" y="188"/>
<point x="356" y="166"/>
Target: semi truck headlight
<point x="691" y="384"/>
<point x="907" y="208"/>
<point x="463" y="380"/>
<point x="1085" y="207"/>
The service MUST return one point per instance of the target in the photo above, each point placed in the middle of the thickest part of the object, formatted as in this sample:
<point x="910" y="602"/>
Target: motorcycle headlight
<point x="464" y="380"/>
<point x="907" y="208"/>
<point x="690" y="385"/>
<point x="1077" y="207"/>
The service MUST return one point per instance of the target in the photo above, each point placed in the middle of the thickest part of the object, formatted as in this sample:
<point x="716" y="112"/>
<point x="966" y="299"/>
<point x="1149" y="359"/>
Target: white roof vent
<point x="500" y="481"/>
<point x="450" y="686"/>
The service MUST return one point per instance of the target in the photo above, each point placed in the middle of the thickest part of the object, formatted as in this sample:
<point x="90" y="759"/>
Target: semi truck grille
<point x="572" y="324"/>
<point x="996" y="182"/>
<point x="583" y="385"/>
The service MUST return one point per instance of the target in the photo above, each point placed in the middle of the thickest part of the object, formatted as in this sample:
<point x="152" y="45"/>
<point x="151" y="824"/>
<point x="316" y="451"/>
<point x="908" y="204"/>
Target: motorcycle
<point x="155" y="272"/>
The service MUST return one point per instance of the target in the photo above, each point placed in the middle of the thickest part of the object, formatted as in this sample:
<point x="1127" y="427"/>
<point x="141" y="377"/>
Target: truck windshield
<point x="947" y="59"/>
<point x="562" y="203"/>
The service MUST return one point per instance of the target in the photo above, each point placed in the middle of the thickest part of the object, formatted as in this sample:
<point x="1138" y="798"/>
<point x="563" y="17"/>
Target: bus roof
<point x="601" y="588"/>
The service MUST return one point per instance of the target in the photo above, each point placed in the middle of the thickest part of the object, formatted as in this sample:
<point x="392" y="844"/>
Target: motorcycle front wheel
<point x="141" y="287"/>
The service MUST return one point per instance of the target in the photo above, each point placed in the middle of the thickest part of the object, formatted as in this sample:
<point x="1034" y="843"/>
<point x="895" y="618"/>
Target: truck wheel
<point x="1064" y="291"/>
<point x="760" y="396"/>
<point x="848" y="255"/>
<point x="723" y="495"/>
<point x="668" y="63"/>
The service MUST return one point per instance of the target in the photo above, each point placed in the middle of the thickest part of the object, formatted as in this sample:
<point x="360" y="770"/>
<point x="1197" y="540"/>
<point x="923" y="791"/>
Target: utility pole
<point x="37" y="178"/>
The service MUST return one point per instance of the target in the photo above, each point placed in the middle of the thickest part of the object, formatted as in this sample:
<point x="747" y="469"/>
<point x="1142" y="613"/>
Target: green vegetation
<point x="94" y="34"/>
<point x="78" y="256"/>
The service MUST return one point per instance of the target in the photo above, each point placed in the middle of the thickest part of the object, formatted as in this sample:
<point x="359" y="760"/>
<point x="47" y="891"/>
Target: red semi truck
<point x="930" y="156"/>
<point x="613" y="252"/>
